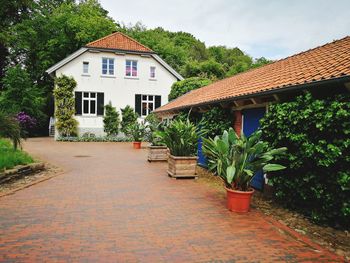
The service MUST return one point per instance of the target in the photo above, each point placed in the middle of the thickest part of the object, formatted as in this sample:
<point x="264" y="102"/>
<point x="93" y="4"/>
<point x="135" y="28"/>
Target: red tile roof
<point x="119" y="41"/>
<point x="329" y="61"/>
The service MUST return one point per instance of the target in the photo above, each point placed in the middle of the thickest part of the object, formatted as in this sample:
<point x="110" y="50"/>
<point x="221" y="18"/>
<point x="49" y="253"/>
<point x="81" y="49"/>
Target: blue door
<point x="251" y="118"/>
<point x="202" y="160"/>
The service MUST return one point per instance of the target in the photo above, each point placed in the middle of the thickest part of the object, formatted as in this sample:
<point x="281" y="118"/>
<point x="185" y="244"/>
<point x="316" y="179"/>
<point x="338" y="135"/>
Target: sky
<point x="267" y="28"/>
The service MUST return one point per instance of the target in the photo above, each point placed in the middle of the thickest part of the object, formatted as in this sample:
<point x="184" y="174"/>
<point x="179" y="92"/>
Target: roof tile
<point x="321" y="63"/>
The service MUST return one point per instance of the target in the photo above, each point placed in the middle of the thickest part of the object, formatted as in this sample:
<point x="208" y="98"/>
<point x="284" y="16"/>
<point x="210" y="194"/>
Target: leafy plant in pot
<point x="157" y="151"/>
<point x="137" y="133"/>
<point x="181" y="138"/>
<point x="236" y="160"/>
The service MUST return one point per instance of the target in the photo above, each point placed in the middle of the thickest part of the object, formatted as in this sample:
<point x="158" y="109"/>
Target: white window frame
<point x="109" y="63"/>
<point x="86" y="65"/>
<point x="89" y="99"/>
<point x="132" y="62"/>
<point x="154" y="72"/>
<point x="147" y="101"/>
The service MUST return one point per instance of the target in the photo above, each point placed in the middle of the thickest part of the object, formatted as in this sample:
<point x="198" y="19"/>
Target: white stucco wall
<point x="118" y="89"/>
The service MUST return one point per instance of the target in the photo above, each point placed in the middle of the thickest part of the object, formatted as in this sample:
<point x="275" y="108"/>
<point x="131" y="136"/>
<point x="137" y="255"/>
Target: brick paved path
<point x="113" y="206"/>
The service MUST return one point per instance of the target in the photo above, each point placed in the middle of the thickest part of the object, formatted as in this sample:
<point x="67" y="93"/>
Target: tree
<point x="129" y="118"/>
<point x="111" y="120"/>
<point x="9" y="128"/>
<point x="181" y="87"/>
<point x="65" y="106"/>
<point x="260" y="62"/>
<point x="19" y="94"/>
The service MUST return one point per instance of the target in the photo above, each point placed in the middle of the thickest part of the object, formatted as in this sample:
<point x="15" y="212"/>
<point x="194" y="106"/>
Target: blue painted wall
<point x="251" y="123"/>
<point x="202" y="160"/>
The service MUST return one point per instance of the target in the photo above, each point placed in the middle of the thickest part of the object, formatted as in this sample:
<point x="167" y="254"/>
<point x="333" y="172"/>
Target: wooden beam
<point x="276" y="97"/>
<point x="254" y="101"/>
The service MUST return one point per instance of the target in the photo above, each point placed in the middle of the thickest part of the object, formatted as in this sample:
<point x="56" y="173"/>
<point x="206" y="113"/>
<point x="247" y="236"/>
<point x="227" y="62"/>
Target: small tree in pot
<point x="137" y="133"/>
<point x="181" y="138"/>
<point x="236" y="160"/>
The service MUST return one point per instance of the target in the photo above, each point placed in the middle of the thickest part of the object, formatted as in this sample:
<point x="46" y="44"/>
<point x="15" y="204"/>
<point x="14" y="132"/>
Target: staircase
<point x="52" y="127"/>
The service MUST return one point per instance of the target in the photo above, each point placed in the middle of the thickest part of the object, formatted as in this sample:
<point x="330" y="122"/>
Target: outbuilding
<point x="324" y="70"/>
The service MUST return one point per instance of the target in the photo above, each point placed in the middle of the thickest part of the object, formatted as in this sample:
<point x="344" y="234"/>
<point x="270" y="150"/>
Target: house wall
<point x="118" y="89"/>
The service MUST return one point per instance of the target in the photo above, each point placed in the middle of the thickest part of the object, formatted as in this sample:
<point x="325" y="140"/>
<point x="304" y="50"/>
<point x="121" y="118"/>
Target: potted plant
<point x="181" y="138"/>
<point x="236" y="160"/>
<point x="137" y="133"/>
<point x="157" y="151"/>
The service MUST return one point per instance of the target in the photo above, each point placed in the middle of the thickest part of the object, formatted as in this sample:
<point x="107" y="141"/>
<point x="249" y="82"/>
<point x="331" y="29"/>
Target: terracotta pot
<point x="238" y="201"/>
<point x="137" y="145"/>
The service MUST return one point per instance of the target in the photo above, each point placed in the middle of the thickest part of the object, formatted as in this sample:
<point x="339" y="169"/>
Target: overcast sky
<point x="270" y="28"/>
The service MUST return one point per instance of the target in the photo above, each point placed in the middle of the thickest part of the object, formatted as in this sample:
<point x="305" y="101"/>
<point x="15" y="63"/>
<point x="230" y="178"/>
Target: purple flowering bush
<point x="26" y="122"/>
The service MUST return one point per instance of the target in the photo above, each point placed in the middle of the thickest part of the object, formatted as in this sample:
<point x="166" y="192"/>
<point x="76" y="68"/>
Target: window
<point x="89" y="103"/>
<point x="131" y="68"/>
<point x="85" y="67"/>
<point x="145" y="104"/>
<point x="152" y="72"/>
<point x="107" y="66"/>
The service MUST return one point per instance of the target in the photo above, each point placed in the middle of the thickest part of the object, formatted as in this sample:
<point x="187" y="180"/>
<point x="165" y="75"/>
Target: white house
<point x="116" y="69"/>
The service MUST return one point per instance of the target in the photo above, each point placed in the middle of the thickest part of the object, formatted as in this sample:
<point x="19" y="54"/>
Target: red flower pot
<point x="137" y="145"/>
<point x="238" y="201"/>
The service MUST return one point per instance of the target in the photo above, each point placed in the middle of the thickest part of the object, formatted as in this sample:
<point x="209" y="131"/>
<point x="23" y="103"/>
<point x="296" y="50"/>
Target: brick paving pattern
<point x="111" y="205"/>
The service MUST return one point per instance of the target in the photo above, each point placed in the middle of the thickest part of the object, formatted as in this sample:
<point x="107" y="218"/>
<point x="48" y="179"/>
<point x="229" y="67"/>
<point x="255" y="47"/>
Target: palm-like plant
<point x="236" y="159"/>
<point x="10" y="128"/>
<point x="180" y="137"/>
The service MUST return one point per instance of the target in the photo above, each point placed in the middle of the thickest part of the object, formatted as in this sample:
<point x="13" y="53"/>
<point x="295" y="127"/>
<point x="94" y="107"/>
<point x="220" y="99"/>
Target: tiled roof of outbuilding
<point x="326" y="62"/>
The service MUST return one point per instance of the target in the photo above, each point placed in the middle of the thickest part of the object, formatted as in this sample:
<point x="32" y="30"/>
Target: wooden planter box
<point x="182" y="166"/>
<point x="157" y="153"/>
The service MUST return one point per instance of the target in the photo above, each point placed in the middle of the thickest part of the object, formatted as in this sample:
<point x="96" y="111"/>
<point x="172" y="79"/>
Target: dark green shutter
<point x="100" y="104"/>
<point x="158" y="101"/>
<point x="138" y="104"/>
<point x="78" y="101"/>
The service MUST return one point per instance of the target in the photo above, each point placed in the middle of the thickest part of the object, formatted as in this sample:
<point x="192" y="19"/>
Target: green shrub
<point x="129" y="118"/>
<point x="90" y="138"/>
<point x="65" y="106"/>
<point x="10" y="157"/>
<point x="111" y="120"/>
<point x="214" y="121"/>
<point x="317" y="135"/>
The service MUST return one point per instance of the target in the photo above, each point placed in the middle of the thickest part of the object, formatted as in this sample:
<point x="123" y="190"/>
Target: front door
<point x="251" y="118"/>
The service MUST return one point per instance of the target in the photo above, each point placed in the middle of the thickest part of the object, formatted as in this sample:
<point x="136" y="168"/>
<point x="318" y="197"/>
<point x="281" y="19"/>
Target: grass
<point x="10" y="157"/>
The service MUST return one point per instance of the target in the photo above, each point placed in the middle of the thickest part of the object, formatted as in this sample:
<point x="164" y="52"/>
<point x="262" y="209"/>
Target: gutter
<point x="338" y="80"/>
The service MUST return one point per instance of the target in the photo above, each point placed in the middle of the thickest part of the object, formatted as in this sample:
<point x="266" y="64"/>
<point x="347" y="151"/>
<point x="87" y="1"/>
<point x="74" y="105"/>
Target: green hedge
<point x="317" y="135"/>
<point x="93" y="139"/>
<point x="214" y="121"/>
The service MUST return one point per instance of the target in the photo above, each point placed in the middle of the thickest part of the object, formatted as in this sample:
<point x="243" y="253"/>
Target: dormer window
<point x="152" y="72"/>
<point x="131" y="68"/>
<point x="85" y="67"/>
<point x="107" y="66"/>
